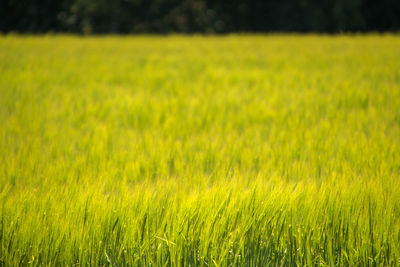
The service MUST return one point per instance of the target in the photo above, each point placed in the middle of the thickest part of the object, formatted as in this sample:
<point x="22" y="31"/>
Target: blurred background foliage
<point x="198" y="16"/>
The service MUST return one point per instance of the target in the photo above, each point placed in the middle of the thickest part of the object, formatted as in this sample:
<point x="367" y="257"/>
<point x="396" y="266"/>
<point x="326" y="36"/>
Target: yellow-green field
<point x="200" y="151"/>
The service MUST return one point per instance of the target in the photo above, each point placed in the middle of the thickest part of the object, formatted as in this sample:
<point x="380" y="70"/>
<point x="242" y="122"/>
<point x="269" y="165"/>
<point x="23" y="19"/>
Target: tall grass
<point x="200" y="151"/>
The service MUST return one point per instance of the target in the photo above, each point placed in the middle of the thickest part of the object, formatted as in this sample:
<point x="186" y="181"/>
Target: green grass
<point x="200" y="151"/>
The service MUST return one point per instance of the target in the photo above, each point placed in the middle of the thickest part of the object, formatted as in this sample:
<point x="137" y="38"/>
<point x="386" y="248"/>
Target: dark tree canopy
<point x="199" y="16"/>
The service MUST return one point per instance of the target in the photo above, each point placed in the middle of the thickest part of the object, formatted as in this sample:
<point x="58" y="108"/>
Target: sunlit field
<point x="200" y="151"/>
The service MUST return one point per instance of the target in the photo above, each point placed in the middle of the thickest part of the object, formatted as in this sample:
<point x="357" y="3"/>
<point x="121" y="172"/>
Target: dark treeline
<point x="203" y="16"/>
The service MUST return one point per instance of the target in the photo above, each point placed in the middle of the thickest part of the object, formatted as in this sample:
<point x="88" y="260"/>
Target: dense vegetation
<point x="201" y="16"/>
<point x="200" y="151"/>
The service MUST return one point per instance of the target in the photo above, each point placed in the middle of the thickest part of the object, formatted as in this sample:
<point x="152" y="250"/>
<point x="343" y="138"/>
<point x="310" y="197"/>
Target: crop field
<point x="237" y="150"/>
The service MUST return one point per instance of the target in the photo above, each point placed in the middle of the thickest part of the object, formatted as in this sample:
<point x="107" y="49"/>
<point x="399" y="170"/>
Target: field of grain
<point x="237" y="150"/>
